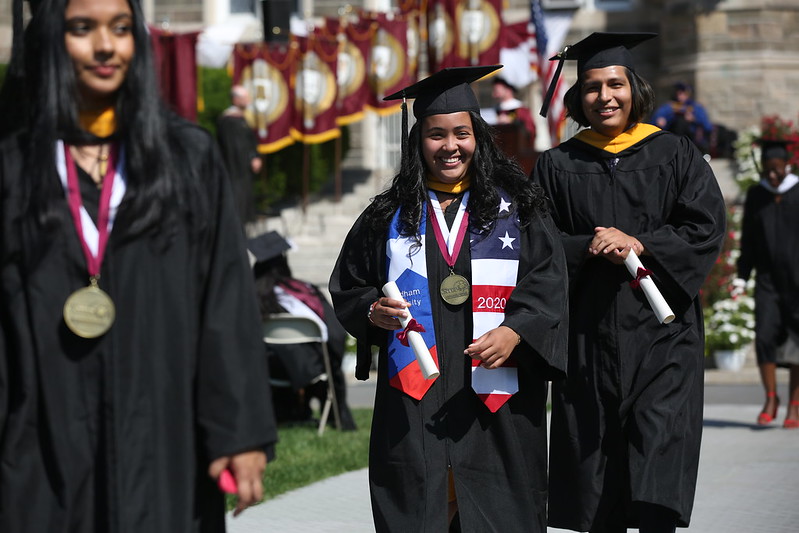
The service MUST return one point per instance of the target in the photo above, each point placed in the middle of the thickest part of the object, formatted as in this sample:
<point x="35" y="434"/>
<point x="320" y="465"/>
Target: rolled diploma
<point x="662" y="310"/>
<point x="423" y="357"/>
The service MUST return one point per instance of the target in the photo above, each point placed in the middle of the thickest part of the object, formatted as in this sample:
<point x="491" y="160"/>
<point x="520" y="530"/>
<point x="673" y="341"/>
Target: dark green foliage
<point x="282" y="177"/>
<point x="215" y="91"/>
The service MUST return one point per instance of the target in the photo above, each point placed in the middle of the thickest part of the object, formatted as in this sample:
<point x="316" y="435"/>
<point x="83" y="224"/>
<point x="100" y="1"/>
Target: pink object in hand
<point x="226" y="482"/>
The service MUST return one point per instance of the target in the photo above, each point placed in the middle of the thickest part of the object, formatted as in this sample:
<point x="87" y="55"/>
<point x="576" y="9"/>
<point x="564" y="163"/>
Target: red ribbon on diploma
<point x="413" y="325"/>
<point x="642" y="273"/>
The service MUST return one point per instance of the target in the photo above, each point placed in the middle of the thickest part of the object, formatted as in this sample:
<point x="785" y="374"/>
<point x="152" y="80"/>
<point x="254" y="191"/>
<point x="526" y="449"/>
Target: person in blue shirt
<point x="684" y="116"/>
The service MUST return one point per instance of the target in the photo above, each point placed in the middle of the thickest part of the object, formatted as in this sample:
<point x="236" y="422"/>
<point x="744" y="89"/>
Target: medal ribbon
<point x="75" y="201"/>
<point x="449" y="248"/>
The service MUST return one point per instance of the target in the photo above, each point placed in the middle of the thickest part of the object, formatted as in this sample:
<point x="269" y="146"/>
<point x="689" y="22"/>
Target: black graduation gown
<point x="498" y="459"/>
<point x="627" y="422"/>
<point x="115" y="434"/>
<point x="770" y="246"/>
<point x="239" y="146"/>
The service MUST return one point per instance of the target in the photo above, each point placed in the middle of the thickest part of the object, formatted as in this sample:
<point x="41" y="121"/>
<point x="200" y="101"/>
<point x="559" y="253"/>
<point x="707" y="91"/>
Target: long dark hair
<point x="490" y="169"/>
<point x="643" y="98"/>
<point x="47" y="93"/>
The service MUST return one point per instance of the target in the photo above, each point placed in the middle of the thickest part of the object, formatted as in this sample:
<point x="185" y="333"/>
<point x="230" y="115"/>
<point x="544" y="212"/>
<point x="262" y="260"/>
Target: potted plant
<point x="730" y="328"/>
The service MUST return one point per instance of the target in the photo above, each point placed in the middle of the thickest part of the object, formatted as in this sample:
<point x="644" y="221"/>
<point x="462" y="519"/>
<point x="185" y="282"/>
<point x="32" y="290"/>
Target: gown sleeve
<point x="575" y="246"/>
<point x="538" y="307"/>
<point x="356" y="283"/>
<point x="687" y="245"/>
<point x="234" y="405"/>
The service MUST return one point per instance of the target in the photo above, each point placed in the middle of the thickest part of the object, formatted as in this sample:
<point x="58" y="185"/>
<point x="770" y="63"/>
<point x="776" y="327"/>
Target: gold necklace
<point x="99" y="161"/>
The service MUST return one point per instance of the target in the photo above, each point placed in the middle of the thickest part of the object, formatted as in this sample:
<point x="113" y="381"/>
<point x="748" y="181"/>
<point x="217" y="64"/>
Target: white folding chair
<point x="285" y="328"/>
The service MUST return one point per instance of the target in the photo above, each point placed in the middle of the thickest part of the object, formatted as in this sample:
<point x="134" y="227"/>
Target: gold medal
<point x="89" y="312"/>
<point x="454" y="289"/>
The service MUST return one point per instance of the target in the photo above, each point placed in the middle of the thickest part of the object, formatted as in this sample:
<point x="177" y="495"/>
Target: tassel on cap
<point x="552" y="84"/>
<point x="404" y="140"/>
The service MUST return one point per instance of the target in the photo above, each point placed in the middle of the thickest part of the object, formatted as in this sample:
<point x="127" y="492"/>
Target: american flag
<point x="556" y="117"/>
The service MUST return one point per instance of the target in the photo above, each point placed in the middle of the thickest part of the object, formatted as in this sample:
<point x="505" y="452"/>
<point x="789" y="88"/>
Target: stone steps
<point x="318" y="232"/>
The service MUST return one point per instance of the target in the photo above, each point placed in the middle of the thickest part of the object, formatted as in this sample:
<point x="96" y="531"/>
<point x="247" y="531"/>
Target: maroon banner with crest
<point x="266" y="70"/>
<point x="315" y="90"/>
<point x="353" y="60"/>
<point x="463" y="33"/>
<point x="388" y="64"/>
<point x="413" y="11"/>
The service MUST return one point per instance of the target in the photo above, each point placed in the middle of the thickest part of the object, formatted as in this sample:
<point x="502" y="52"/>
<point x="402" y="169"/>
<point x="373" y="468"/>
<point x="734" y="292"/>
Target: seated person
<point x="300" y="364"/>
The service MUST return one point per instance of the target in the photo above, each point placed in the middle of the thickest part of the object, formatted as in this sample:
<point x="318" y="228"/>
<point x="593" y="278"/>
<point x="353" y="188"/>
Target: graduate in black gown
<point x="467" y="240"/>
<point x="280" y="292"/>
<point x="627" y="422"/>
<point x="239" y="147"/>
<point x="769" y="246"/>
<point x="131" y="361"/>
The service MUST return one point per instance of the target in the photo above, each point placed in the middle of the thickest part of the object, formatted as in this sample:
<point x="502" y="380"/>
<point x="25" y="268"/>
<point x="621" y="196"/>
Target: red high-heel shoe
<point x="791" y="423"/>
<point x="765" y="418"/>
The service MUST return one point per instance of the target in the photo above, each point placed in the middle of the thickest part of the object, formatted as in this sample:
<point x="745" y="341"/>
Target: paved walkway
<point x="748" y="476"/>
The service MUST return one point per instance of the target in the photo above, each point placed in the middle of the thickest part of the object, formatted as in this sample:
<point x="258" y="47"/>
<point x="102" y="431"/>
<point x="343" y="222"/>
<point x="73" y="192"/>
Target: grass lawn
<point x="303" y="457"/>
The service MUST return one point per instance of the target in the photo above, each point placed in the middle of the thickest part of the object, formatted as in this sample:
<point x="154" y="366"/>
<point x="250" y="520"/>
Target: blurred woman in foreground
<point x="131" y="363"/>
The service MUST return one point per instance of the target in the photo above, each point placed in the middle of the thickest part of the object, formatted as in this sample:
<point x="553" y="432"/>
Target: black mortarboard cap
<point x="267" y="246"/>
<point x="446" y="91"/>
<point x="598" y="50"/>
<point x="773" y="148"/>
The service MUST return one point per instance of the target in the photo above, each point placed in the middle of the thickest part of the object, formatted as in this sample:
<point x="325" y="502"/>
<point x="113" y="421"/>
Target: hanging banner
<point x="388" y="65"/>
<point x="265" y="70"/>
<point x="440" y="35"/>
<point x="315" y="90"/>
<point x="176" y="64"/>
<point x="354" y="36"/>
<point x="463" y="33"/>
<point x="413" y="12"/>
<point x="479" y="27"/>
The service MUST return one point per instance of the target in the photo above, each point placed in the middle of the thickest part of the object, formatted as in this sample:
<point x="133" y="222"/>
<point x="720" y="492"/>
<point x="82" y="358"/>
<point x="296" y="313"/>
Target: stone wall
<point x="742" y="56"/>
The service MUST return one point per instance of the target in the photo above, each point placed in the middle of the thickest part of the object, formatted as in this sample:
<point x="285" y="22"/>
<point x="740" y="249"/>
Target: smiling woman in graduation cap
<point x="465" y="237"/>
<point x="131" y="361"/>
<point x="627" y="422"/>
